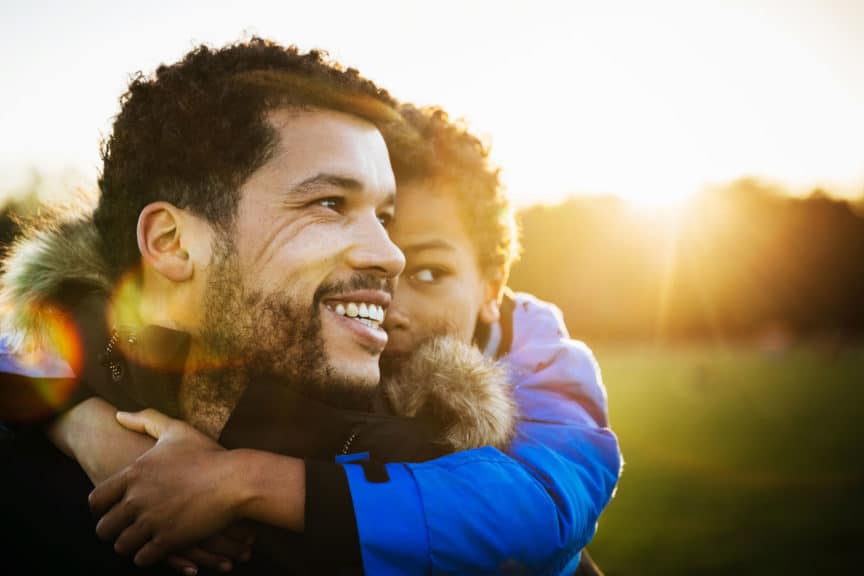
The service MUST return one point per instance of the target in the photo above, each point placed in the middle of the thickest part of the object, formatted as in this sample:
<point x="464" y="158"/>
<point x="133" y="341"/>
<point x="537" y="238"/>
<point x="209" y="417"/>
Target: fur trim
<point x="34" y="269"/>
<point x="468" y="395"/>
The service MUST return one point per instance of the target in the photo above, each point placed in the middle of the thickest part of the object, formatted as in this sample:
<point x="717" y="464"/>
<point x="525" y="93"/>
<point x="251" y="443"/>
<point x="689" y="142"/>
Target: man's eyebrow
<point x="328" y="181"/>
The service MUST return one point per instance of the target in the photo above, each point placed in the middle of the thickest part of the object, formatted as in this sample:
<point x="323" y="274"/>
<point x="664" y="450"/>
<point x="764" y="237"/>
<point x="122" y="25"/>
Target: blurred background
<point x="690" y="178"/>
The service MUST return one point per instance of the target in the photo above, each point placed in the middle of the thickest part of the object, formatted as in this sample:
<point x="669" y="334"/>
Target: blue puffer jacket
<point x="528" y="511"/>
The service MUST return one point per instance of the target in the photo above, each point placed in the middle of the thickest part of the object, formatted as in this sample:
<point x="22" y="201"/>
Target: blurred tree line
<point x="19" y="204"/>
<point x="10" y="213"/>
<point x="745" y="262"/>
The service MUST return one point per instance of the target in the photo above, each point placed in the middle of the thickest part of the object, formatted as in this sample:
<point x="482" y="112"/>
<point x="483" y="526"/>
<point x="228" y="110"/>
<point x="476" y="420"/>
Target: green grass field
<point x="737" y="461"/>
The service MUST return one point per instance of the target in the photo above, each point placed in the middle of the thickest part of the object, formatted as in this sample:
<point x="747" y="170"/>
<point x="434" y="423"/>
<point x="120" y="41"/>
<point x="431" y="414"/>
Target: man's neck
<point x="343" y="397"/>
<point x="209" y="393"/>
<point x="207" y="400"/>
<point x="210" y="390"/>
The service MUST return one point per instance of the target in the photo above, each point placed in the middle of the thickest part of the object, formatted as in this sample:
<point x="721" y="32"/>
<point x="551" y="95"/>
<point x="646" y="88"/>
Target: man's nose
<point x="373" y="251"/>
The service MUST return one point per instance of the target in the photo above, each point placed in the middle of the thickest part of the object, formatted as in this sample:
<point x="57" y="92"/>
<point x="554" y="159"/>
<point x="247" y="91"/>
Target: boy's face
<point x="442" y="290"/>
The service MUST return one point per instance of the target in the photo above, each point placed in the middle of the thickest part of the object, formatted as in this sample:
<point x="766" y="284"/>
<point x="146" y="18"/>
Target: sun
<point x="668" y="195"/>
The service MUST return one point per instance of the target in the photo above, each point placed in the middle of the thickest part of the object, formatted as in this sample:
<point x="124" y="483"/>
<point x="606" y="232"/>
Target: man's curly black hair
<point x="445" y="157"/>
<point x="192" y="133"/>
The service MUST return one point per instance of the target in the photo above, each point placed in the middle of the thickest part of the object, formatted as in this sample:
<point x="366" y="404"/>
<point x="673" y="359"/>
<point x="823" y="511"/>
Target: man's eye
<point x="333" y="203"/>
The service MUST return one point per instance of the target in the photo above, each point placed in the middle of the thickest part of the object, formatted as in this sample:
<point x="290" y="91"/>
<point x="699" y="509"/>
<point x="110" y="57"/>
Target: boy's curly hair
<point x="192" y="133"/>
<point x="445" y="157"/>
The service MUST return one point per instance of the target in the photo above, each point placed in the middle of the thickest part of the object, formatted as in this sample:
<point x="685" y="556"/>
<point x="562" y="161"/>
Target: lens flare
<point x="151" y="347"/>
<point x="42" y="378"/>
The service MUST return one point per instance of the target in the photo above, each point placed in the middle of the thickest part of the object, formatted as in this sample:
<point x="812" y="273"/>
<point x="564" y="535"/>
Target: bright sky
<point x="648" y="100"/>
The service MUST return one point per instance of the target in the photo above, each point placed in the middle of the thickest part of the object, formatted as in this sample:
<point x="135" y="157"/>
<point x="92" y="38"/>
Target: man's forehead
<point x="315" y="142"/>
<point x="293" y="123"/>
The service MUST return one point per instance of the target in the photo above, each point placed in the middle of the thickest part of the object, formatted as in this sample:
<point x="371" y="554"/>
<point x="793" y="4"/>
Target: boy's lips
<point x="392" y="351"/>
<point x="398" y="345"/>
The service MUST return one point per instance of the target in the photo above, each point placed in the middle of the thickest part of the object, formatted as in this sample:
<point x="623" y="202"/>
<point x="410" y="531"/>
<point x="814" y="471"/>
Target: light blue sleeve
<point x="529" y="511"/>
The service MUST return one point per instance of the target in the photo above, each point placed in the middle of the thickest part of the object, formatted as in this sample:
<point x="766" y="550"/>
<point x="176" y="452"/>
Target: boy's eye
<point x="385" y="219"/>
<point x="427" y="275"/>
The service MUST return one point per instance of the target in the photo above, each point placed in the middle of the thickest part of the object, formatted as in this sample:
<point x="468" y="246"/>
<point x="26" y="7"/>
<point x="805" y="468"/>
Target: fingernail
<point x="225" y="566"/>
<point x="190" y="571"/>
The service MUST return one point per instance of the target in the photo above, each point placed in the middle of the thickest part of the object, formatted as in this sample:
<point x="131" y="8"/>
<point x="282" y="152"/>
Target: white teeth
<point x="362" y="311"/>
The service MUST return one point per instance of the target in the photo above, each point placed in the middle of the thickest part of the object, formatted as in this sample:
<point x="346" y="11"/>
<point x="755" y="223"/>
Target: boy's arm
<point x="483" y="512"/>
<point x="90" y="434"/>
<point x="43" y="384"/>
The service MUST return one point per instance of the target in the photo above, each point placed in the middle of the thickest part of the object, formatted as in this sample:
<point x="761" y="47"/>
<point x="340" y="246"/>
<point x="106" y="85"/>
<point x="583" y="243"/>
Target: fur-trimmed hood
<point x="34" y="270"/>
<point x="467" y="395"/>
<point x="454" y="385"/>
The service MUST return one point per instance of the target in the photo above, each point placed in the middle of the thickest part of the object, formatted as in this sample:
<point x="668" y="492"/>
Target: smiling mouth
<point x="367" y="313"/>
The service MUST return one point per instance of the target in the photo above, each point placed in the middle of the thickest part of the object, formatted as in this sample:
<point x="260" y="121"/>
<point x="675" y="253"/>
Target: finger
<point x="114" y="522"/>
<point x="227" y="547"/>
<point x="149" y="421"/>
<point x="151" y="553"/>
<point x="108" y="493"/>
<point x="207" y="559"/>
<point x="132" y="538"/>
<point x="182" y="565"/>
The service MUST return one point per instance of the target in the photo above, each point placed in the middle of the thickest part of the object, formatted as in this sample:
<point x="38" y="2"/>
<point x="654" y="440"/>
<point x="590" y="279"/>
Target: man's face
<point x="298" y="287"/>
<point x="442" y="290"/>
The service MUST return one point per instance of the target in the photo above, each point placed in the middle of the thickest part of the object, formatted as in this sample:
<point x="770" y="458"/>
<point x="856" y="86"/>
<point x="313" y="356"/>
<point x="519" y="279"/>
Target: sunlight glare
<point x="656" y="197"/>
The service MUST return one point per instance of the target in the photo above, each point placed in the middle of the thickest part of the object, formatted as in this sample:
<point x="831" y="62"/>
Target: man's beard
<point x="274" y="336"/>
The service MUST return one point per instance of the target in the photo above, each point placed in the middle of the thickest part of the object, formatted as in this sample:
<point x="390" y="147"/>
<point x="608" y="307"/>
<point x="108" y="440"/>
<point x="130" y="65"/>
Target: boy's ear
<point x="160" y="240"/>
<point x="490" y="311"/>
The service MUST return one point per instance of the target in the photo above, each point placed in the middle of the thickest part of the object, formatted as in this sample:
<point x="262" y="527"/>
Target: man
<point x="222" y="350"/>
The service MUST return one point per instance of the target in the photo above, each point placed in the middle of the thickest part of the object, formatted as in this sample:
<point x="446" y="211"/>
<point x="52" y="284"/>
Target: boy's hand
<point x="179" y="493"/>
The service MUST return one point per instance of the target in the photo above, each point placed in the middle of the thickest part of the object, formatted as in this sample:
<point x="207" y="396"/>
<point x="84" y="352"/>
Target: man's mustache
<point x="352" y="284"/>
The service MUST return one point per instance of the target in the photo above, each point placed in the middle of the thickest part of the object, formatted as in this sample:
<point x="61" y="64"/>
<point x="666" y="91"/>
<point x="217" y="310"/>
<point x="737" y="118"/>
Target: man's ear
<point x="490" y="311"/>
<point x="160" y="231"/>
